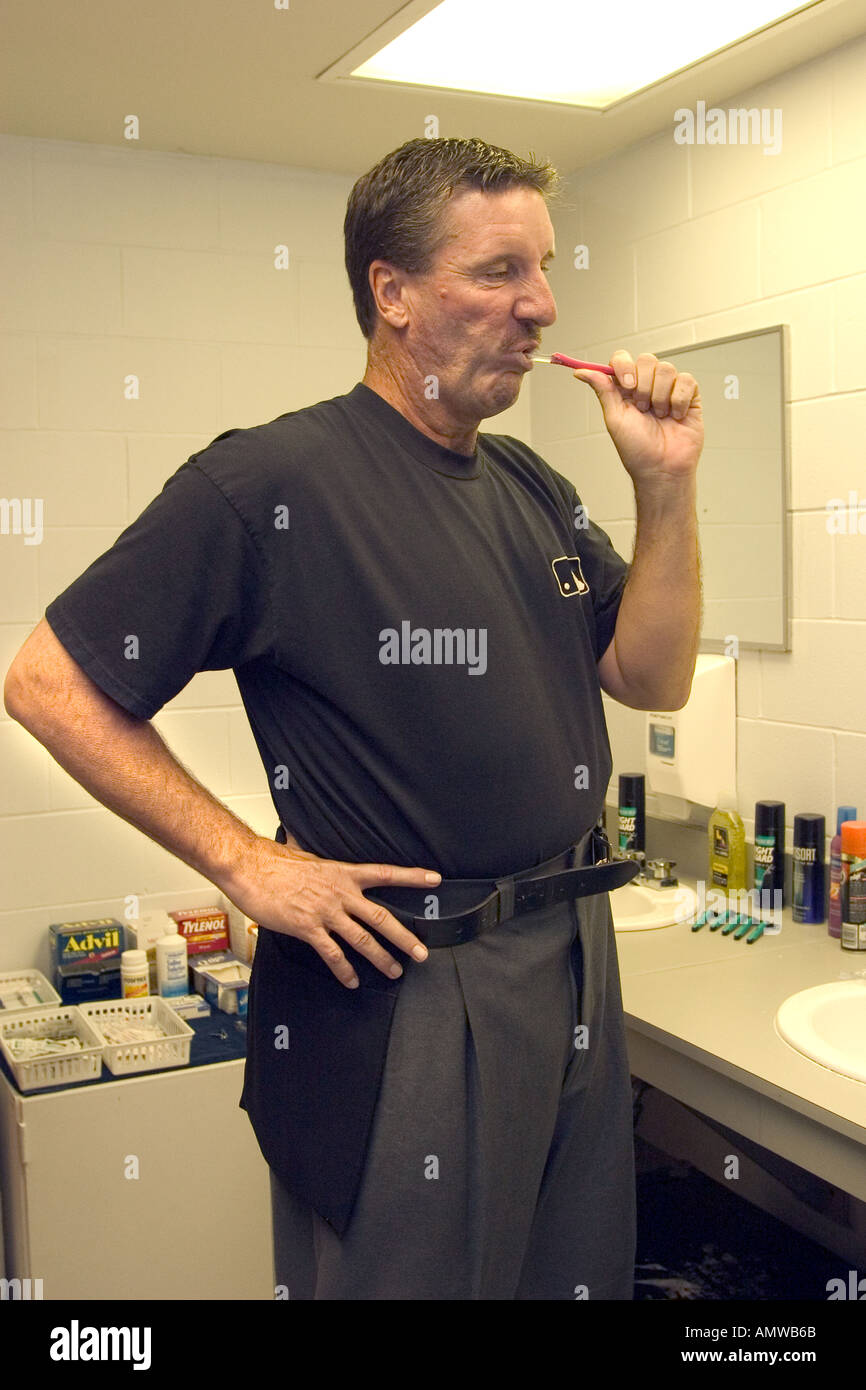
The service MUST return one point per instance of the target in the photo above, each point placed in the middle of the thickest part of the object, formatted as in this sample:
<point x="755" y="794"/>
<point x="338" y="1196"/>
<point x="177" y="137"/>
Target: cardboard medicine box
<point x="92" y="939"/>
<point x="224" y="981"/>
<point x="199" y="967"/>
<point x="205" y="929"/>
<point x="189" y="1005"/>
<point x="81" y="982"/>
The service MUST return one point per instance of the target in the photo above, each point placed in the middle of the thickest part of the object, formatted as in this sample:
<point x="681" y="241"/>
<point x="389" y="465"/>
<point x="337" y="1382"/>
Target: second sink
<point x="827" y="1023"/>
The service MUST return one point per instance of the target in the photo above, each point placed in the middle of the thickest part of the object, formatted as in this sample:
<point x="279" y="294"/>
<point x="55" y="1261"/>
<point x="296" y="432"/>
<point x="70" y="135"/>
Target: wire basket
<point x="13" y="981"/>
<point x="124" y="1058"/>
<point x="32" y="1073"/>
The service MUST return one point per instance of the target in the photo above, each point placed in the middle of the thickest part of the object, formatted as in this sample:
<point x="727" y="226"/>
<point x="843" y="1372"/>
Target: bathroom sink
<point x="638" y="908"/>
<point x="828" y="1024"/>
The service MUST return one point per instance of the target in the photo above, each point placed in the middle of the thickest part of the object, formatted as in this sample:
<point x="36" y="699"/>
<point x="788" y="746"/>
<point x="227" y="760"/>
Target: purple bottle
<point x="834" y="914"/>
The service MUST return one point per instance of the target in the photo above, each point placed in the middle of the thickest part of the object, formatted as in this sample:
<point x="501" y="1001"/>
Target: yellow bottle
<point x="727" y="847"/>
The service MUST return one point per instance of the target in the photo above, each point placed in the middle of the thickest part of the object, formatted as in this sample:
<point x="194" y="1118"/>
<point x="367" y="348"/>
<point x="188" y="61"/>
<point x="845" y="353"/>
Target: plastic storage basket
<point x="33" y="1072"/>
<point x="171" y="1050"/>
<point x="14" y="981"/>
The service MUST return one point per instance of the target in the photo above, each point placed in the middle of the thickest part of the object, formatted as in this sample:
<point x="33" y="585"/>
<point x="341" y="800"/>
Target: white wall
<point x="115" y="262"/>
<point x="694" y="242"/>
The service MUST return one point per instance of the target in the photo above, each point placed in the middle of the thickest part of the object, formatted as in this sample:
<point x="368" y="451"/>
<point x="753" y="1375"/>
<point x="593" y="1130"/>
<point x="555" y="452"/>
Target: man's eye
<point x="492" y="274"/>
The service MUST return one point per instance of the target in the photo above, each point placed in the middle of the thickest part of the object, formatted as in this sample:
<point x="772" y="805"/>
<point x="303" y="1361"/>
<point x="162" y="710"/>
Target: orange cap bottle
<point x="853" y="856"/>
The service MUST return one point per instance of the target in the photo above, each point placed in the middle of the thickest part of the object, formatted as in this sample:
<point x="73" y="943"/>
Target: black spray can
<point x="632" y="812"/>
<point x="769" y="860"/>
<point x="808" y="854"/>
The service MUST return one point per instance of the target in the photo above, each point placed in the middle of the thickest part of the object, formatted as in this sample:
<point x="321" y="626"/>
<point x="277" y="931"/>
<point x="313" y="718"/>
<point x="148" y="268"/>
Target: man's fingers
<point x="391" y="875"/>
<point x="662" y="388"/>
<point x="625" y="369"/>
<point x="329" y="899"/>
<point x="333" y="957"/>
<point x="682" y="395"/>
<point x="376" y="875"/>
<point x="288" y="890"/>
<point x="351" y="915"/>
<point x="645" y="367"/>
<point x="378" y="917"/>
<point x="363" y="941"/>
<point x="653" y="385"/>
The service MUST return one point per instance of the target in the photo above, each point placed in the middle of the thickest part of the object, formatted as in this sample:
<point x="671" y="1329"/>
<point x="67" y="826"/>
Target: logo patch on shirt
<point x="569" y="575"/>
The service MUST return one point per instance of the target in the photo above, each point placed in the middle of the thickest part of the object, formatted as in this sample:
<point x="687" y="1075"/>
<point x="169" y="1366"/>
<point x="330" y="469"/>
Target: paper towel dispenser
<point x="691" y="752"/>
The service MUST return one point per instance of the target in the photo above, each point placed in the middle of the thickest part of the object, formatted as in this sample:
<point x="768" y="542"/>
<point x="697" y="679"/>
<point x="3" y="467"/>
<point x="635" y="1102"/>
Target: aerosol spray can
<point x="854" y="885"/>
<point x="632" y="813"/>
<point x="808" y="855"/>
<point x="769" y="862"/>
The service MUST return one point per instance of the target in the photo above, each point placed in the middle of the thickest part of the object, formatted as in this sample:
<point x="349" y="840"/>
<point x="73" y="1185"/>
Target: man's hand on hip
<point x="285" y="889"/>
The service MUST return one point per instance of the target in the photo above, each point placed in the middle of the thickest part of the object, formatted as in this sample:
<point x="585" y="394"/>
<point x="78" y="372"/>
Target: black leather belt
<point x="461" y="917"/>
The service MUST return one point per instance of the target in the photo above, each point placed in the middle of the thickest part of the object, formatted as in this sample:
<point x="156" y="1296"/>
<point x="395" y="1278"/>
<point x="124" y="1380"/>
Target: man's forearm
<point x="659" y="620"/>
<point x="125" y="764"/>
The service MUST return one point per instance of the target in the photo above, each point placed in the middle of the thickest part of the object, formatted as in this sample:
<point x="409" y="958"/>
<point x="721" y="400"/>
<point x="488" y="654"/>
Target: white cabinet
<point x="194" y="1224"/>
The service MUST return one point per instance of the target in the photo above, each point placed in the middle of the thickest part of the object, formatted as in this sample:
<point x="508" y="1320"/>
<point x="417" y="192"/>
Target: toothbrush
<point x="558" y="359"/>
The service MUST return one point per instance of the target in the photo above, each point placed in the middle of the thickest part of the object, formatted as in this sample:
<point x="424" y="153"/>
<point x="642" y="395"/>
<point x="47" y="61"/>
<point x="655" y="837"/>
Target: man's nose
<point x="538" y="304"/>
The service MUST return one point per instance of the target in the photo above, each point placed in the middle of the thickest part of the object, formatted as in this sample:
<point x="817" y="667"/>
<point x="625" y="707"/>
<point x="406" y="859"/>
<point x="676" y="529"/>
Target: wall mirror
<point x="742" y="495"/>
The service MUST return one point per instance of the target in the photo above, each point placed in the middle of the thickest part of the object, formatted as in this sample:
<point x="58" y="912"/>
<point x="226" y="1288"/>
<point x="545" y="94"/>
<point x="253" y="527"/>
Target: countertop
<point x="713" y="1000"/>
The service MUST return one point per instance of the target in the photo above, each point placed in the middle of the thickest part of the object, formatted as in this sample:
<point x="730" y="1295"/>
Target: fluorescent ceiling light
<point x="567" y="51"/>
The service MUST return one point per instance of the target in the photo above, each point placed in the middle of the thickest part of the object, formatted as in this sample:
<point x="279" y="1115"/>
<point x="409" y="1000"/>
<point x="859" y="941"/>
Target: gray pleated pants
<point x="501" y="1160"/>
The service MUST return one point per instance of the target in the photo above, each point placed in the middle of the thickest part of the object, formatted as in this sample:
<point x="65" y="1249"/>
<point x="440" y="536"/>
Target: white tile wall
<point x="119" y="263"/>
<point x="714" y="240"/>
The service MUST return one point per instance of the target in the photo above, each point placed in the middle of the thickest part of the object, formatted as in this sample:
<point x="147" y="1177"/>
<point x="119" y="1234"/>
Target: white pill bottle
<point x="172" y="967"/>
<point x="134" y="978"/>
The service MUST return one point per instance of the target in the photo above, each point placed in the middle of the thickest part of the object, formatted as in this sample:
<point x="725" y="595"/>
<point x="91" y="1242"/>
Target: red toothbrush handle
<point x="575" y="362"/>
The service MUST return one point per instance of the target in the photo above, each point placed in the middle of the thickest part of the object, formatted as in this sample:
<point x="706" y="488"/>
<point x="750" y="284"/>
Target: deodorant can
<point x="854" y="885"/>
<point x="769" y="861"/>
<point x="632" y="812"/>
<point x="808" y="854"/>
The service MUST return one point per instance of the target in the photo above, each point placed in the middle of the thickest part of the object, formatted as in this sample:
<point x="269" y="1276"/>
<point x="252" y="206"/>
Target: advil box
<point x="93" y="939"/>
<point x="205" y="929"/>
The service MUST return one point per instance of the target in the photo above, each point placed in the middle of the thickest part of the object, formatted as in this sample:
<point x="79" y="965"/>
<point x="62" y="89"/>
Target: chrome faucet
<point x="654" y="873"/>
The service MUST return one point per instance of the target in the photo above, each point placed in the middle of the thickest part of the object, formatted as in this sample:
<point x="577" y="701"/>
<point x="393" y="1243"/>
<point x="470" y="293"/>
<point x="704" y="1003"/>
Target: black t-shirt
<point x="414" y="631"/>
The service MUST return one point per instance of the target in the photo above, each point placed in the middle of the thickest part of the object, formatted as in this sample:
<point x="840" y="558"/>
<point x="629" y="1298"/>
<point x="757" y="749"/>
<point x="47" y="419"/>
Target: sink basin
<point x="637" y="908"/>
<point x="828" y="1024"/>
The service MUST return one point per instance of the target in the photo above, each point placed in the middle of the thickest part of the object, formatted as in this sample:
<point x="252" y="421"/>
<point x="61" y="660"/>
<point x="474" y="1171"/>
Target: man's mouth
<point x="525" y="353"/>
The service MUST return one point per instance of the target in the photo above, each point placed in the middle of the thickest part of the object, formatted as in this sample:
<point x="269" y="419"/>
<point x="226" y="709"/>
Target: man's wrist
<point x="674" y="487"/>
<point x="666" y="497"/>
<point x="233" y="857"/>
